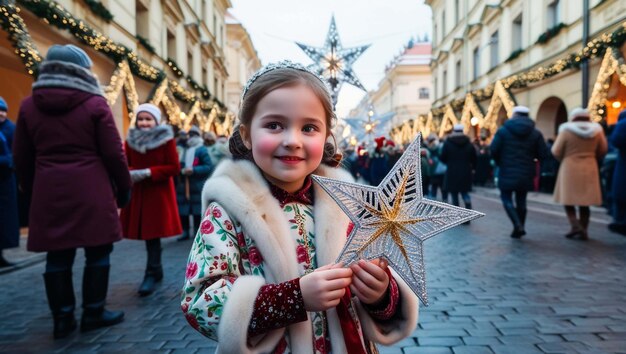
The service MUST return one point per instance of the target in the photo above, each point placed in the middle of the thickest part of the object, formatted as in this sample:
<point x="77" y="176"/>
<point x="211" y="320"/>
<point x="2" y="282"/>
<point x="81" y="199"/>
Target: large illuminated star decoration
<point x="392" y="220"/>
<point x="333" y="62"/>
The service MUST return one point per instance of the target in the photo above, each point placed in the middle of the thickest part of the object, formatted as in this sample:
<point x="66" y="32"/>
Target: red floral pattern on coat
<point x="255" y="256"/>
<point x="192" y="270"/>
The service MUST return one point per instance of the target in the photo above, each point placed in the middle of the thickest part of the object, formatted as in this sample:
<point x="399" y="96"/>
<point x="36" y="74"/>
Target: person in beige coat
<point x="579" y="145"/>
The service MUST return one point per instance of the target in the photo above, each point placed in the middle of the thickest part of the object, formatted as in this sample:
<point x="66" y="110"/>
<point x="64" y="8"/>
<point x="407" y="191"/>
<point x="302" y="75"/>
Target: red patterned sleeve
<point x="277" y="306"/>
<point x="387" y="308"/>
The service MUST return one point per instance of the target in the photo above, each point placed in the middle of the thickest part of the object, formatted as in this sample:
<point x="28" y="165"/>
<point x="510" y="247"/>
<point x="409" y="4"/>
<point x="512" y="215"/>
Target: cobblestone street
<point x="489" y="294"/>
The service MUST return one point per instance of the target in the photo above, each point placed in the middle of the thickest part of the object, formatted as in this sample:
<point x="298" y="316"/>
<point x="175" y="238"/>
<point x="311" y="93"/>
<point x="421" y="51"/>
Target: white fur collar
<point x="585" y="130"/>
<point x="143" y="140"/>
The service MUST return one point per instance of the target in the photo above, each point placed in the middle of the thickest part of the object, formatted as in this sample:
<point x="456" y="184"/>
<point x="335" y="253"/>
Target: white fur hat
<point x="458" y="128"/>
<point x="578" y="112"/>
<point x="152" y="109"/>
<point x="521" y="110"/>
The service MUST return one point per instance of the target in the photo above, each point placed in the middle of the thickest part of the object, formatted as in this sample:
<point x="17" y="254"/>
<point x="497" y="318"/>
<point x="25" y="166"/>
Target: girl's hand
<point x="370" y="280"/>
<point x="323" y="289"/>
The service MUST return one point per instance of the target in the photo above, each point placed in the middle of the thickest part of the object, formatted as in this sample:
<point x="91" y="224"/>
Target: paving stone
<point x="472" y="349"/>
<point x="582" y="337"/>
<point x="617" y="346"/>
<point x="527" y="339"/>
<point x="481" y="341"/>
<point x="428" y="350"/>
<point x="565" y="347"/>
<point x="612" y="335"/>
<point x="440" y="333"/>
<point x="175" y="344"/>
<point x="515" y="349"/>
<point x="439" y="341"/>
<point x="515" y="324"/>
<point x="517" y="331"/>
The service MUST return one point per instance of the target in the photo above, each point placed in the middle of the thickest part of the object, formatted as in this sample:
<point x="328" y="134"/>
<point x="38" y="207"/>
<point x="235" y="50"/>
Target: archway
<point x="551" y="114"/>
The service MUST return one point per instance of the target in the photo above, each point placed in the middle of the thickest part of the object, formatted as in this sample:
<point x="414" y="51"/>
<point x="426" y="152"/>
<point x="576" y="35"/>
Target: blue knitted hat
<point x="3" y="105"/>
<point x="69" y="53"/>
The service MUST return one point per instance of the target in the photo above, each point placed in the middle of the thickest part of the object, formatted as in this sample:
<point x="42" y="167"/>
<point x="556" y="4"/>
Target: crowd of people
<point x="580" y="167"/>
<point x="254" y="218"/>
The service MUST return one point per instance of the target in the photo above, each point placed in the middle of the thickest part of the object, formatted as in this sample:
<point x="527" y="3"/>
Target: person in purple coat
<point x="69" y="158"/>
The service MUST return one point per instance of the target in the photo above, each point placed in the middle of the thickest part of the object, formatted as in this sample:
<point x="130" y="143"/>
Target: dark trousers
<point x="436" y="182"/>
<point x="466" y="198"/>
<point x="63" y="260"/>
<point x="184" y="220"/>
<point x="516" y="212"/>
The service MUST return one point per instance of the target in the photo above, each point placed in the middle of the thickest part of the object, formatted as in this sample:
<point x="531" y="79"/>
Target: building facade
<point x="476" y="43"/>
<point x="242" y="61"/>
<point x="171" y="52"/>
<point x="406" y="89"/>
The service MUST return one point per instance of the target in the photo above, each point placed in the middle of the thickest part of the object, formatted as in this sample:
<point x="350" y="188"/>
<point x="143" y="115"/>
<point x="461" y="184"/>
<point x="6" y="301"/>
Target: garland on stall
<point x="595" y="48"/>
<point x="56" y="15"/>
<point x="13" y="24"/>
<point x="127" y="61"/>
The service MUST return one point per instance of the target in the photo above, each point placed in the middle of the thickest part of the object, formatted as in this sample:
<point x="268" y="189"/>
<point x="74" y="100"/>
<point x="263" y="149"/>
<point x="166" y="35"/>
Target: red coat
<point x="152" y="211"/>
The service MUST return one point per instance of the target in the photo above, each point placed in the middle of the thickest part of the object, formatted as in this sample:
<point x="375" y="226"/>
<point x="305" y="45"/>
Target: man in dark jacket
<point x="459" y="155"/>
<point x="69" y="158"/>
<point x="618" y="141"/>
<point x="515" y="148"/>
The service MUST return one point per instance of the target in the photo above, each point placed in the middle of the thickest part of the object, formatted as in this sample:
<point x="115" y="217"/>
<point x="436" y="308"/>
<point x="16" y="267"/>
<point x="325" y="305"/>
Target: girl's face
<point x="287" y="135"/>
<point x="145" y="120"/>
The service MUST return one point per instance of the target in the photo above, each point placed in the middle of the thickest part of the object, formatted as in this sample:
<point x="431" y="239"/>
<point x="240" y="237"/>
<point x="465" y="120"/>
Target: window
<point x="190" y="71"/>
<point x="436" y="87"/>
<point x="215" y="86"/>
<point x="435" y="35"/>
<point x="554" y="13"/>
<point x="214" y="25"/>
<point x="516" y="43"/>
<point x="424" y="93"/>
<point x="456" y="12"/>
<point x="495" y="48"/>
<point x="205" y="76"/>
<point x="457" y="74"/>
<point x="171" y="45"/>
<point x="476" y="59"/>
<point x="142" y="20"/>
<point x="445" y="82"/>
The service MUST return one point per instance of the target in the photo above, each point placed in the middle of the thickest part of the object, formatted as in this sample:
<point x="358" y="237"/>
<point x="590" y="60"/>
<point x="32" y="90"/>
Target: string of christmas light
<point x="19" y="37"/>
<point x="605" y="43"/>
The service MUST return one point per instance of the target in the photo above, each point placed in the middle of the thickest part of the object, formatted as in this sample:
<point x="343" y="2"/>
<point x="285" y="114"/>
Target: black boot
<point x="154" y="269"/>
<point x="518" y="230"/>
<point x="60" y="292"/>
<point x="95" y="286"/>
<point x="521" y="213"/>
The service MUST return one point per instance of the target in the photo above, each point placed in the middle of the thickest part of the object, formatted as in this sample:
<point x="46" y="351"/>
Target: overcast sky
<point x="387" y="25"/>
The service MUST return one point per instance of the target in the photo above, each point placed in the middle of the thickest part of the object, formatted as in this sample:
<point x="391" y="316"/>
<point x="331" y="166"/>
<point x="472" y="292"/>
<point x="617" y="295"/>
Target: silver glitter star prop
<point x="392" y="220"/>
<point x="334" y="62"/>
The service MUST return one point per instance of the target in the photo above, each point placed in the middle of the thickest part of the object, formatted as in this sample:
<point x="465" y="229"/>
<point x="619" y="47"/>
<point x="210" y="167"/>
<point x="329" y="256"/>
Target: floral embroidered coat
<point x="224" y="274"/>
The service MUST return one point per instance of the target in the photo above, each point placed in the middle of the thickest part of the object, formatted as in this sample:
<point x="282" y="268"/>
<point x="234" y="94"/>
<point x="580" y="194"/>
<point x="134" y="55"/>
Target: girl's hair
<point x="274" y="80"/>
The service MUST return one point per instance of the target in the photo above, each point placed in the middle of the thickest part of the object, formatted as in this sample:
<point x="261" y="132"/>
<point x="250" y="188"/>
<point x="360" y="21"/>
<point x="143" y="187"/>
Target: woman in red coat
<point x="152" y="212"/>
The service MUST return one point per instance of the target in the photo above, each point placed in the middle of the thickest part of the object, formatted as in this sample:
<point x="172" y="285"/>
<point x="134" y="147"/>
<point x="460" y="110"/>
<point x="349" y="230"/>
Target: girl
<point x="260" y="276"/>
<point x="152" y="212"/>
